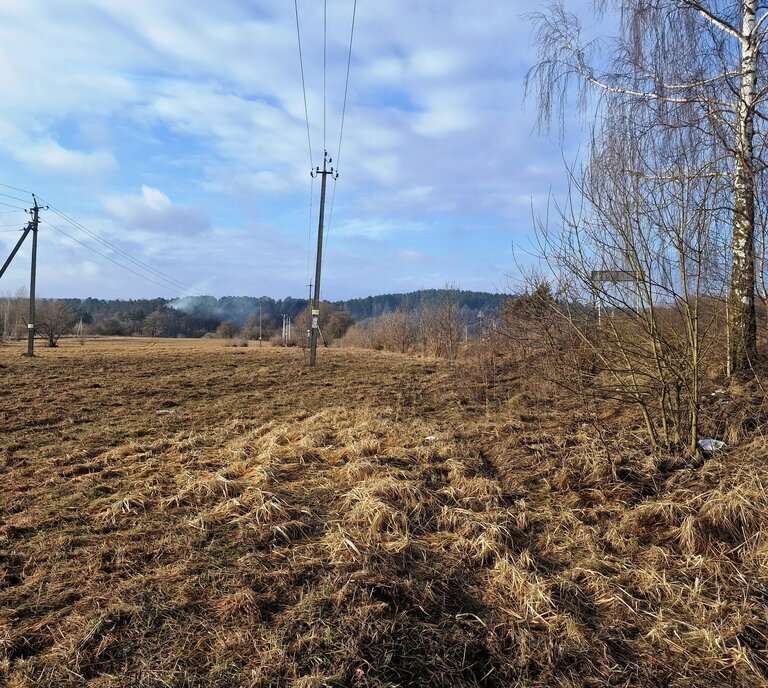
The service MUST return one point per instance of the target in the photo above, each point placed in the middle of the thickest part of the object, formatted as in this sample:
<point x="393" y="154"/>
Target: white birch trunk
<point x="741" y="320"/>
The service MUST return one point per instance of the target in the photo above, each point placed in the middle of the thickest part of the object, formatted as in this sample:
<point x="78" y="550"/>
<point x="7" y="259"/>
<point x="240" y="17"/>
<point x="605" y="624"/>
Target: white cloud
<point x="377" y="228"/>
<point x="153" y="211"/>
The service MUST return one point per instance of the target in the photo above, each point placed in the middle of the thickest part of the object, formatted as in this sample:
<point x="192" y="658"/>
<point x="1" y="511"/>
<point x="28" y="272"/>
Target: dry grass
<point x="278" y="526"/>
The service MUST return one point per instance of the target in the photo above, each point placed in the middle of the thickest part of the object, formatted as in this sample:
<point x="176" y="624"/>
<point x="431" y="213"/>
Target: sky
<point x="176" y="132"/>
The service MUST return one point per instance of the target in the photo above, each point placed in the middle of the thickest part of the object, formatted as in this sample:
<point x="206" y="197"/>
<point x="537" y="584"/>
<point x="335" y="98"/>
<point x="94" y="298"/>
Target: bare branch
<point x="713" y="19"/>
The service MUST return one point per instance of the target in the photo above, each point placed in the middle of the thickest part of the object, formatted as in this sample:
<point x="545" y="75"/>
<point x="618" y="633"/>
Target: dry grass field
<point x="180" y="514"/>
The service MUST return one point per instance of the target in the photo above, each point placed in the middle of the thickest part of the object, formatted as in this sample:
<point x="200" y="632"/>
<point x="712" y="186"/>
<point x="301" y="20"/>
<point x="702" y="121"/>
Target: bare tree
<point x="54" y="319"/>
<point x="638" y="259"/>
<point x="6" y="316"/>
<point x="228" y="329"/>
<point x="692" y="63"/>
<point x="251" y="328"/>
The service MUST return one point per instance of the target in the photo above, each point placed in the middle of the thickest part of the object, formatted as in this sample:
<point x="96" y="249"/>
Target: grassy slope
<point x="288" y="527"/>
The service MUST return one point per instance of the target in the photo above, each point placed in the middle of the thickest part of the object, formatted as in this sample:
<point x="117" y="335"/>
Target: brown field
<point x="379" y="521"/>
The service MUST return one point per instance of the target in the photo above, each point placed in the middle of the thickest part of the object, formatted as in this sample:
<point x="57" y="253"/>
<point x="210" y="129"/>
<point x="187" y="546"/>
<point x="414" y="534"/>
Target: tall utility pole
<point x="31" y="227"/>
<point x="32" y="278"/>
<point x="319" y="264"/>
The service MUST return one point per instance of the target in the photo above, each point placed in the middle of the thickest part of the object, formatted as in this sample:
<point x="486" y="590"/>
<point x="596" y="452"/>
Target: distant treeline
<point x="200" y="315"/>
<point x="376" y="306"/>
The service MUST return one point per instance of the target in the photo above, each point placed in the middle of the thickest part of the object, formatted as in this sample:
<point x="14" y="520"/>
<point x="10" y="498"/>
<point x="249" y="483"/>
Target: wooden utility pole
<point x="319" y="264"/>
<point x="309" y="308"/>
<point x="31" y="227"/>
<point x="32" y="279"/>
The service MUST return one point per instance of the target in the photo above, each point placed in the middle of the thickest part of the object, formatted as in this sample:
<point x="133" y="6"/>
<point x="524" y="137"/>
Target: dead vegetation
<point x="376" y="522"/>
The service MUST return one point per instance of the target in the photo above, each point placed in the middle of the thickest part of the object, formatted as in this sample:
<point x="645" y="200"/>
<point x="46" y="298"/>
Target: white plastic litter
<point x="431" y="438"/>
<point x="163" y="412"/>
<point x="711" y="445"/>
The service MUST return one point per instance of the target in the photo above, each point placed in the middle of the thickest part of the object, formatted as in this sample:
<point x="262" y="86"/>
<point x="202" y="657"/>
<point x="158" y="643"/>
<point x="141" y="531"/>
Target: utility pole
<point x="319" y="264"/>
<point x="31" y="227"/>
<point x="309" y="308"/>
<point x="32" y="278"/>
<point x="260" y="303"/>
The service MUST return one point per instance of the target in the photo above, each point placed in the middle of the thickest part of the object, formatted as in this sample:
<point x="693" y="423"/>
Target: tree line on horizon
<point x="204" y="315"/>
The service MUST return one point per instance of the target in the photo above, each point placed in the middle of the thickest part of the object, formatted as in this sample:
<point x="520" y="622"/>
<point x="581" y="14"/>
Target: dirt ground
<point x="181" y="513"/>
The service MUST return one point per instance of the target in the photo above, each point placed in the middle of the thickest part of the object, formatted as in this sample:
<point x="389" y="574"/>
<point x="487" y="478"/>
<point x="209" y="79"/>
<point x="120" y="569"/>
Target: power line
<point x="309" y="139"/>
<point x="330" y="216"/>
<point x="12" y="212"/>
<point x="341" y="128"/>
<point x="10" y="205"/>
<point x="111" y="260"/>
<point x="127" y="256"/>
<point x="15" y="198"/>
<point x="303" y="84"/>
<point x="167" y="282"/>
<point x="309" y="225"/>
<point x="346" y="82"/>
<point x="16" y="188"/>
<point x="136" y="261"/>
<point x="325" y="51"/>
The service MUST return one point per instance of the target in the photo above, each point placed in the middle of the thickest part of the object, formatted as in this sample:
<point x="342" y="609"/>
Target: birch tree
<point x="693" y="64"/>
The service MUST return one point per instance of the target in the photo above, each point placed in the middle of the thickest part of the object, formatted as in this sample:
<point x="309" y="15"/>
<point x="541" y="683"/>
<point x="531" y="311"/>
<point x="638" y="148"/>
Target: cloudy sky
<point x="176" y="132"/>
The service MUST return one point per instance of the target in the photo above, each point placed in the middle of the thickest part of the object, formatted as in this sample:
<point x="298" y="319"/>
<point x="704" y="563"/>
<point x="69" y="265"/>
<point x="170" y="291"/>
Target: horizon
<point x="266" y="296"/>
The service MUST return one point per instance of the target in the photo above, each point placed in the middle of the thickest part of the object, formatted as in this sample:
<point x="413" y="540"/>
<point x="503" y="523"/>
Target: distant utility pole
<point x="260" y="303"/>
<point x="286" y="329"/>
<point x="319" y="264"/>
<point x="32" y="226"/>
<point x="309" y="306"/>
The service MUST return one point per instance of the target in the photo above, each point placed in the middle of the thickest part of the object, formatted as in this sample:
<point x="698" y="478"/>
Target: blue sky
<point x="176" y="131"/>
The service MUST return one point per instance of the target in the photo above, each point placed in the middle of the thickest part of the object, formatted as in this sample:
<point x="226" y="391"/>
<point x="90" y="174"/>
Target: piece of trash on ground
<point x="710" y="445"/>
<point x="163" y="412"/>
<point x="430" y="438"/>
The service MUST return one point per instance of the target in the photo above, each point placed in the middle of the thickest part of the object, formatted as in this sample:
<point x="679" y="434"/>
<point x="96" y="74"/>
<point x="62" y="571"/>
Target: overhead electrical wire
<point x="341" y="128"/>
<point x="16" y="188"/>
<point x="309" y="138"/>
<point x="346" y="82"/>
<point x="15" y="198"/>
<point x="325" y="60"/>
<point x="178" y="284"/>
<point x="309" y="229"/>
<point x="170" y="288"/>
<point x="10" y="205"/>
<point x="167" y="281"/>
<point x="303" y="83"/>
